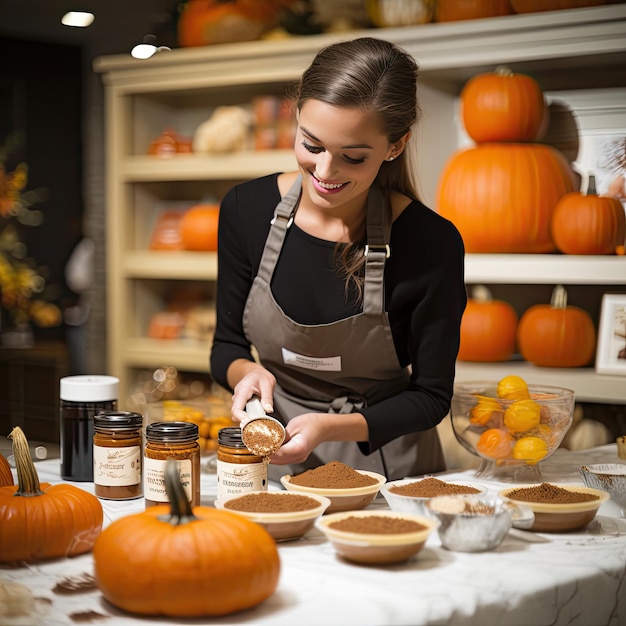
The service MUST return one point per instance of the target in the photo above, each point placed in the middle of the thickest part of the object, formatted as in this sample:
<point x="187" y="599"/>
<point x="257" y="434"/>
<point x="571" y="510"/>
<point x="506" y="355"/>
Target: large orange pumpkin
<point x="180" y="562"/>
<point x="503" y="106"/>
<point x="198" y="227"/>
<point x="555" y="334"/>
<point x="42" y="521"/>
<point x="457" y="10"/>
<point x="588" y="223"/>
<point x="488" y="328"/>
<point x="6" y="475"/>
<point x="501" y="196"/>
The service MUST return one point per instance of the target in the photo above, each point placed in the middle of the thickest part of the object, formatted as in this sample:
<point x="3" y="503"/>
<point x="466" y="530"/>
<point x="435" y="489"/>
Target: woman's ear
<point x="398" y="147"/>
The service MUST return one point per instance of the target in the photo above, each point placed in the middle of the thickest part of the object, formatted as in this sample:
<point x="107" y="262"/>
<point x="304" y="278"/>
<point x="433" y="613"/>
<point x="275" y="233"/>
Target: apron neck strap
<point x="377" y="250"/>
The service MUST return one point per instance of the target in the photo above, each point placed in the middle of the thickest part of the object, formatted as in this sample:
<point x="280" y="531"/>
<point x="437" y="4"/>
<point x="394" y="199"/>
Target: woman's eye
<point x="313" y="149"/>
<point x="353" y="161"/>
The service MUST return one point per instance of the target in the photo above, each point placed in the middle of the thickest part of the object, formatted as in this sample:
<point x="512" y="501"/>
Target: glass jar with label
<point x="177" y="441"/>
<point x="238" y="470"/>
<point x="117" y="455"/>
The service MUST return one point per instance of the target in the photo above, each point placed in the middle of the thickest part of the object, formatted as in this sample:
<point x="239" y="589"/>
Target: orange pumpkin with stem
<point x="488" y="328"/>
<point x="588" y="223"/>
<point x="555" y="334"/>
<point x="183" y="562"/>
<point x="503" y="106"/>
<point x="198" y="227"/>
<point x="501" y="196"/>
<point x="44" y="521"/>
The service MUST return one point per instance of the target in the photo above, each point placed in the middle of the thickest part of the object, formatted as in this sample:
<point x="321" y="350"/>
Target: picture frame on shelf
<point x="611" y="352"/>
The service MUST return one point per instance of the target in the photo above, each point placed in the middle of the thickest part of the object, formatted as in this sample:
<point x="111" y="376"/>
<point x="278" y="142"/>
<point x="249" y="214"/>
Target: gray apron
<point x="340" y="366"/>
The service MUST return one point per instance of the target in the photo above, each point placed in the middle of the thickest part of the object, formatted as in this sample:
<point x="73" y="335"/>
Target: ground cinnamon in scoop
<point x="431" y="487"/>
<point x="552" y="494"/>
<point x="333" y="475"/>
<point x="377" y="524"/>
<point x="271" y="503"/>
<point x="262" y="437"/>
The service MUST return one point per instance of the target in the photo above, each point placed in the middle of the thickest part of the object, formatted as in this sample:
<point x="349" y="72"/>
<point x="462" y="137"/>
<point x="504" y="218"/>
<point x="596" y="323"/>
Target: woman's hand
<point x="250" y="379"/>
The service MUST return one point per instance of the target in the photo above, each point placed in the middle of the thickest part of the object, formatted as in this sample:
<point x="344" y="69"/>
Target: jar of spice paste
<point x="117" y="455"/>
<point x="81" y="398"/>
<point x="177" y="441"/>
<point x="238" y="470"/>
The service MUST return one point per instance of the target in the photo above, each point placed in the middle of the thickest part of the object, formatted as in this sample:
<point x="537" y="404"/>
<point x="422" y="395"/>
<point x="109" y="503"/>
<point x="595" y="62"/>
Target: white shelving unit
<point x="566" y="50"/>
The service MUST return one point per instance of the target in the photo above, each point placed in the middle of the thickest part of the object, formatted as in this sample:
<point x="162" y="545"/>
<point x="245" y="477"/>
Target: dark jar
<point x="177" y="441"/>
<point x="117" y="455"/>
<point x="81" y="398"/>
<point x="238" y="470"/>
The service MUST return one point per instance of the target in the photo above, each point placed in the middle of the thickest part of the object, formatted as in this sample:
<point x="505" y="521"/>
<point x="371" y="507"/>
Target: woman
<point x="348" y="287"/>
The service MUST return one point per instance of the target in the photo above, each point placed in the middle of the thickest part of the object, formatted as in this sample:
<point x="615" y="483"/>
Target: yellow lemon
<point x="522" y="415"/>
<point x="513" y="388"/>
<point x="530" y="449"/>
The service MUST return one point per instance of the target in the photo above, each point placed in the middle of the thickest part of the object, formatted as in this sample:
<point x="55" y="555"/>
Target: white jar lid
<point x="89" y="388"/>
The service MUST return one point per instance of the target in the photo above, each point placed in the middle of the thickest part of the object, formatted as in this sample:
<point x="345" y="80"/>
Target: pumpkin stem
<point x="480" y="293"/>
<point x="502" y="70"/>
<point x="27" y="477"/>
<point x="559" y="298"/>
<point x="180" y="507"/>
<point x="591" y="186"/>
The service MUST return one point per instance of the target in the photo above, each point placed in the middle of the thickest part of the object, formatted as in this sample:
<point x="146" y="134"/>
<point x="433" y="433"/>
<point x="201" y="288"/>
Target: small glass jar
<point x="177" y="441"/>
<point x="81" y="398"/>
<point x="117" y="455"/>
<point x="238" y="470"/>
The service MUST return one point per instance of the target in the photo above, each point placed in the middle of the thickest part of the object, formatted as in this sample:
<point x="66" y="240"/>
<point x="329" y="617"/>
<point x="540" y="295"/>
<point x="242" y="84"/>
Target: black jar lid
<point x="230" y="437"/>
<point x="117" y="420"/>
<point x="172" y="432"/>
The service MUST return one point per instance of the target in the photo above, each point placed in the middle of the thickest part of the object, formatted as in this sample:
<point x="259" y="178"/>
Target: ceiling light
<point x="80" y="19"/>
<point x="143" y="51"/>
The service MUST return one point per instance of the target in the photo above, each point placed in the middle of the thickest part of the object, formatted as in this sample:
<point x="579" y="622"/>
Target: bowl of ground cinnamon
<point x="285" y="516"/>
<point x="347" y="489"/>
<point x="376" y="537"/>
<point x="410" y="495"/>
<point x="558" y="508"/>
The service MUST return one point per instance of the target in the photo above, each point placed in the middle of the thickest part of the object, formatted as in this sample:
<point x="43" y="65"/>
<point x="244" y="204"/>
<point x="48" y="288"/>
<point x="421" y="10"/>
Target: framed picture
<point x="611" y="353"/>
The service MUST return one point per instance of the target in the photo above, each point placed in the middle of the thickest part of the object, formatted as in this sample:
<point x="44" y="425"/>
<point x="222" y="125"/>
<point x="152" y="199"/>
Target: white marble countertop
<point x="574" y="578"/>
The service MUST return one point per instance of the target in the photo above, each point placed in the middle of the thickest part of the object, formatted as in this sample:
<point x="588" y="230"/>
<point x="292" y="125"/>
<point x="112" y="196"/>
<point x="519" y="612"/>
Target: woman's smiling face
<point x="339" y="152"/>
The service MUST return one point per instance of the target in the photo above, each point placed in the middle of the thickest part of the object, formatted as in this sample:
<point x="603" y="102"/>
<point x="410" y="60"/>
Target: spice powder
<point x="272" y="503"/>
<point x="552" y="494"/>
<point x="431" y="487"/>
<point x="262" y="437"/>
<point x="333" y="475"/>
<point x="376" y="524"/>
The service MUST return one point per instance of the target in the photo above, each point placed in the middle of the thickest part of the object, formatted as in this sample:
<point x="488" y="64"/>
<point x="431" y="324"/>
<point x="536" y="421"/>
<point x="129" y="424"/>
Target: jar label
<point x="154" y="479"/>
<point x="233" y="479"/>
<point x="116" y="467"/>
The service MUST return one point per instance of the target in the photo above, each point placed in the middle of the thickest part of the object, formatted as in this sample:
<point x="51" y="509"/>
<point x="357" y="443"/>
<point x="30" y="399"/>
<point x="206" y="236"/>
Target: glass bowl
<point x="609" y="477"/>
<point x="511" y="437"/>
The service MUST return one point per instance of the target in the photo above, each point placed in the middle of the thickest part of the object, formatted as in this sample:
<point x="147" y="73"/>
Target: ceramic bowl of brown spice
<point x="347" y="489"/>
<point x="410" y="495"/>
<point x="558" y="507"/>
<point x="286" y="516"/>
<point x="376" y="537"/>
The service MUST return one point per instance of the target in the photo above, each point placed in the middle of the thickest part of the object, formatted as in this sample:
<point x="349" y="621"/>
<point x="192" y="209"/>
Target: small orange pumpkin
<point x="40" y="521"/>
<point x="588" y="223"/>
<point x="503" y="106"/>
<point x="457" y="10"/>
<point x="198" y="227"/>
<point x="179" y="562"/>
<point x="488" y="328"/>
<point x="6" y="475"/>
<point x="555" y="334"/>
<point x="501" y="196"/>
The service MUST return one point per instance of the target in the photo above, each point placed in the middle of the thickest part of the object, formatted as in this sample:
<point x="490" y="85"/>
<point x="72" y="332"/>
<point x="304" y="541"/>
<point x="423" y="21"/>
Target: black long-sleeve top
<point x="425" y="298"/>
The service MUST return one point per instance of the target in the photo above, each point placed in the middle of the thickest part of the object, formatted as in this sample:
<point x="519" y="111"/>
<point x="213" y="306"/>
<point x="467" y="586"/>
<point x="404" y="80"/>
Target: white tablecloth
<point x="576" y="578"/>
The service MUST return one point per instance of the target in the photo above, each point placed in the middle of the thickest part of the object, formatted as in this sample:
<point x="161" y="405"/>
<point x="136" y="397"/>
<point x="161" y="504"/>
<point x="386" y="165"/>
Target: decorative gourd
<point x="198" y="227"/>
<point x="384" y="14"/>
<point x="180" y="562"/>
<point x="44" y="521"/>
<point x="555" y="334"/>
<point x="488" y="328"/>
<point x="588" y="223"/>
<point x="534" y="6"/>
<point x="457" y="10"/>
<point x="6" y="475"/>
<point x="205" y="22"/>
<point x="501" y="196"/>
<point x="503" y="106"/>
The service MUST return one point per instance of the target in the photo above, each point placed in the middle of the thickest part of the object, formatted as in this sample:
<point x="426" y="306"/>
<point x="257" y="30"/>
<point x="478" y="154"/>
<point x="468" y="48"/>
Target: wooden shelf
<point x="171" y="265"/>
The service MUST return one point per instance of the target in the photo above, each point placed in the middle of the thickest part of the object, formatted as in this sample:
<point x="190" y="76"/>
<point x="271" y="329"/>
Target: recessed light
<point x="143" y="51"/>
<point x="80" y="19"/>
